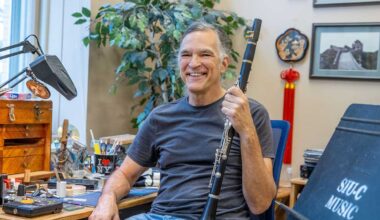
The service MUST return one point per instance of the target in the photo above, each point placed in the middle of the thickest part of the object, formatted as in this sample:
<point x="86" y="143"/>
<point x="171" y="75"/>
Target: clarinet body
<point x="221" y="155"/>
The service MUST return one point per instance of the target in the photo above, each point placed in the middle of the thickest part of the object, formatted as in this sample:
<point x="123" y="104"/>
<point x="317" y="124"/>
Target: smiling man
<point x="180" y="138"/>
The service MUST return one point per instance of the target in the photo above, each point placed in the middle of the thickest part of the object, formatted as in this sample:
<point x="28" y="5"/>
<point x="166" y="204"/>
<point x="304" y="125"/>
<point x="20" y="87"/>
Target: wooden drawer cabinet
<point x="25" y="135"/>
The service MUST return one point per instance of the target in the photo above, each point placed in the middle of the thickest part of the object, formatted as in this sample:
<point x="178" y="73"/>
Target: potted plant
<point x="149" y="32"/>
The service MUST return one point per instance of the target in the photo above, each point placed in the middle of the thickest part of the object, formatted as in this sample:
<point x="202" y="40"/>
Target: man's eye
<point x="185" y="55"/>
<point x="206" y="55"/>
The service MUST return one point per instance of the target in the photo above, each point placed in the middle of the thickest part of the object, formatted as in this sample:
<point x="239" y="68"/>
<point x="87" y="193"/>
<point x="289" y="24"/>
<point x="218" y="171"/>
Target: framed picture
<point x="345" y="50"/>
<point x="291" y="45"/>
<point x="328" y="3"/>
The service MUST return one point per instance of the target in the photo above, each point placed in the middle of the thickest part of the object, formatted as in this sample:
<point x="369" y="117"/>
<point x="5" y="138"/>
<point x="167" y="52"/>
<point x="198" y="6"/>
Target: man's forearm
<point x="116" y="186"/>
<point x="258" y="184"/>
<point x="122" y="179"/>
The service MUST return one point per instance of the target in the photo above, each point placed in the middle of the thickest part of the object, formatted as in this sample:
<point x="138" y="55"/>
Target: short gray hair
<point x="223" y="43"/>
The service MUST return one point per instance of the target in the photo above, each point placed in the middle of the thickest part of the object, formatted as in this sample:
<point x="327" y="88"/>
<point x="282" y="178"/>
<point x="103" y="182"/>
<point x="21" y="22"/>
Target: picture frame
<point x="332" y="3"/>
<point x="345" y="51"/>
<point x="292" y="45"/>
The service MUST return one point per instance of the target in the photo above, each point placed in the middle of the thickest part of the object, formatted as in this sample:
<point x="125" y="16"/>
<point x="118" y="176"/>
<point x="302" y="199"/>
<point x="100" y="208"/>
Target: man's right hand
<point x="106" y="209"/>
<point x="117" y="185"/>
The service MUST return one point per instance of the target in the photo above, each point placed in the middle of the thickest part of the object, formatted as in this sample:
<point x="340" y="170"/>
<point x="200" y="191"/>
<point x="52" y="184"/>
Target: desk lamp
<point x="46" y="68"/>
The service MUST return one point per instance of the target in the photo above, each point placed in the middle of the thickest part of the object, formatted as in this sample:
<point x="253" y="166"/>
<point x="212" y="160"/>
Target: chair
<point x="280" y="130"/>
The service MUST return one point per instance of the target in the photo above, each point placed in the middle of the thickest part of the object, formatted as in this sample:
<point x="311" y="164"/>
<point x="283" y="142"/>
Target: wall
<point x="60" y="36"/>
<point x="107" y="114"/>
<point x="319" y="103"/>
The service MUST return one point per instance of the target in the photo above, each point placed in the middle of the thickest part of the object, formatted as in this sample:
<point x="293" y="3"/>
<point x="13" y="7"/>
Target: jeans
<point x="151" y="216"/>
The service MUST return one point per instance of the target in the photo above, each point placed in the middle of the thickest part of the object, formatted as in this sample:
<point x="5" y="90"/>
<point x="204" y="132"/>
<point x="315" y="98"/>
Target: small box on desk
<point x="104" y="163"/>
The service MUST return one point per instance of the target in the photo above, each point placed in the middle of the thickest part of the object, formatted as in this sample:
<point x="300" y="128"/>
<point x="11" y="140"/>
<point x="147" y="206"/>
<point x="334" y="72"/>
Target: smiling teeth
<point x="195" y="74"/>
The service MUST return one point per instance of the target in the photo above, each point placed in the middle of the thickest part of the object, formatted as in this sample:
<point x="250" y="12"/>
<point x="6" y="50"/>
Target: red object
<point x="290" y="76"/>
<point x="7" y="183"/>
<point x="106" y="162"/>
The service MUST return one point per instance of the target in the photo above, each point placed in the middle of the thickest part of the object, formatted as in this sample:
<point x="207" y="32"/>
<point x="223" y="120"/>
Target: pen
<point x="74" y="199"/>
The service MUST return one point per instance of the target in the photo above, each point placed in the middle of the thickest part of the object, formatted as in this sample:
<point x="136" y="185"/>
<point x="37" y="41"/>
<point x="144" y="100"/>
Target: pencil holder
<point x="105" y="164"/>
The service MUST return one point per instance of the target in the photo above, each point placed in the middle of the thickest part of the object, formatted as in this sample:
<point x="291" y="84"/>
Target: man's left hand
<point x="236" y="107"/>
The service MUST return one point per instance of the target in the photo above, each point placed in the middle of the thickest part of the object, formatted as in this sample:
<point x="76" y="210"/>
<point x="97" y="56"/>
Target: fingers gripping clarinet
<point x="236" y="108"/>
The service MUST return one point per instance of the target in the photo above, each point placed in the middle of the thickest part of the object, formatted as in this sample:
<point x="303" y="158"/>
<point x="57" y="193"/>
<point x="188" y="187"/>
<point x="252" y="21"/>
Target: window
<point x="52" y="22"/>
<point x="5" y="32"/>
<point x="16" y="22"/>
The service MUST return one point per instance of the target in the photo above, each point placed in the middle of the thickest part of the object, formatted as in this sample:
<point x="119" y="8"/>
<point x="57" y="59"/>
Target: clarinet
<point x="221" y="155"/>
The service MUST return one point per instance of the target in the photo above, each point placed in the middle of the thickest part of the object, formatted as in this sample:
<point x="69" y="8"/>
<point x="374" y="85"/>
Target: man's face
<point x="200" y="63"/>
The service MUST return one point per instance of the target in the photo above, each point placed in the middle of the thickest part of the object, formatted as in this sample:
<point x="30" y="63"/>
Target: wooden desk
<point x="128" y="203"/>
<point x="283" y="194"/>
<point x="85" y="212"/>
<point x="297" y="185"/>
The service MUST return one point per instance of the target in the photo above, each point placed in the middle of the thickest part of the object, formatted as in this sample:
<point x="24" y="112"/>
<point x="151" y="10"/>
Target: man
<point x="181" y="138"/>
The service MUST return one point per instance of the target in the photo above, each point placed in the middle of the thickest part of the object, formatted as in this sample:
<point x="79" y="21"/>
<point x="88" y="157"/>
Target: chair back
<point x="280" y="130"/>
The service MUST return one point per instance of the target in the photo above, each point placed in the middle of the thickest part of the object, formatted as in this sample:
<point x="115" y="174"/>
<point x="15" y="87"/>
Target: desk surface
<point x="85" y="212"/>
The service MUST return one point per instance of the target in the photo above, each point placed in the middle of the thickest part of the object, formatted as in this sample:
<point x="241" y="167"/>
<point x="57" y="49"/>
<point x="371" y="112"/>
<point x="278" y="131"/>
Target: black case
<point x="40" y="207"/>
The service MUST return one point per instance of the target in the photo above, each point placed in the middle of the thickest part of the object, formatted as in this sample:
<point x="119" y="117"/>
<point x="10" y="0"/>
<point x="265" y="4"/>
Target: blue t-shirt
<point x="181" y="141"/>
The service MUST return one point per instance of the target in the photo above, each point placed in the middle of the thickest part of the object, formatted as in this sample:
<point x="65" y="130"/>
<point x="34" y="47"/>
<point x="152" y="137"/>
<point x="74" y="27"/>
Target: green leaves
<point x="160" y="75"/>
<point x="80" y="21"/>
<point x="86" y="41"/>
<point x="77" y="15"/>
<point x="86" y="12"/>
<point x="149" y="32"/>
<point x="177" y="34"/>
<point x="83" y="17"/>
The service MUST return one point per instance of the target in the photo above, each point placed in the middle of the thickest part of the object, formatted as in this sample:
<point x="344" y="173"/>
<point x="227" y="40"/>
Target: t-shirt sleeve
<point x="142" y="150"/>
<point x="264" y="130"/>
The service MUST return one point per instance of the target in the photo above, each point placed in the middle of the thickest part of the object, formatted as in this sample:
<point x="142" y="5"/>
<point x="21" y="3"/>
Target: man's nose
<point x="195" y="61"/>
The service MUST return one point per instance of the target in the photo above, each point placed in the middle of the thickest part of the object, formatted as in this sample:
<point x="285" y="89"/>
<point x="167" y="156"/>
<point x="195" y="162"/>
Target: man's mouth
<point x="195" y="74"/>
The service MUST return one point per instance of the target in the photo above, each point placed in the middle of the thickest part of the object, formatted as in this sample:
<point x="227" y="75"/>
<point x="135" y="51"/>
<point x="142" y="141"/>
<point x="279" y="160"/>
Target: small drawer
<point x="24" y="131"/>
<point x="22" y="112"/>
<point x="23" y="127"/>
<point x="17" y="151"/>
<point x="13" y="165"/>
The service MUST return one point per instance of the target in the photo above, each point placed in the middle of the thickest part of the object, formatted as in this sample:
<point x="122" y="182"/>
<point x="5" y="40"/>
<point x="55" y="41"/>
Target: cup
<point x="61" y="189"/>
<point x="104" y="163"/>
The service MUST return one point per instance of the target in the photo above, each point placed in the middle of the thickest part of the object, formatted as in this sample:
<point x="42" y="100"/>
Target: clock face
<point x="291" y="45"/>
<point x="38" y="89"/>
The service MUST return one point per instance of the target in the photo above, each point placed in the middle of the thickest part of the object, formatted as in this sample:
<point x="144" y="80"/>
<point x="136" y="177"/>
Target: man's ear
<point x="225" y="63"/>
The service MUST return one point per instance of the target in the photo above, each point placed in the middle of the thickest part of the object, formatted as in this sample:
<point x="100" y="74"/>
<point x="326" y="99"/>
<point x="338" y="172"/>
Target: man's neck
<point x="205" y="99"/>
